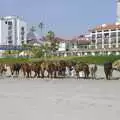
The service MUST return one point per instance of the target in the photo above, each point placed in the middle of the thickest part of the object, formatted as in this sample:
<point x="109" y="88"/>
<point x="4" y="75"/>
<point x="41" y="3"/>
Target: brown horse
<point x="27" y="69"/>
<point x="15" y="68"/>
<point x="62" y="68"/>
<point x="36" y="69"/>
<point x="3" y="69"/>
<point x="108" y="70"/>
<point x="51" y="70"/>
<point x="82" y="67"/>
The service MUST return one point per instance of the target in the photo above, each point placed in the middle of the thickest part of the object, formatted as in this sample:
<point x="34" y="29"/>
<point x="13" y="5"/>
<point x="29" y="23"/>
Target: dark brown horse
<point x="27" y="69"/>
<point x="15" y="68"/>
<point x="36" y="69"/>
<point x="108" y="70"/>
<point x="62" y="68"/>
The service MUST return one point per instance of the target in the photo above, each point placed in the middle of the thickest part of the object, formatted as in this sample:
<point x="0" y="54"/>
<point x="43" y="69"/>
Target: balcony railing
<point x="96" y="48"/>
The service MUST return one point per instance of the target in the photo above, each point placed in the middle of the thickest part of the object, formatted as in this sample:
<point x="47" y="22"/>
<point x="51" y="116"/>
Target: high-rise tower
<point x="118" y="11"/>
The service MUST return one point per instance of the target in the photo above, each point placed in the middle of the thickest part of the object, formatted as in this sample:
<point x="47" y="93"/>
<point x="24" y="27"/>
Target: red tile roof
<point x="106" y="27"/>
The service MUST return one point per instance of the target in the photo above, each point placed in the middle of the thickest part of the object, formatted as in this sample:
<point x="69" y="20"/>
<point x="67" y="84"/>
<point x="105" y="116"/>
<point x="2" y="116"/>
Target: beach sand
<point x="60" y="99"/>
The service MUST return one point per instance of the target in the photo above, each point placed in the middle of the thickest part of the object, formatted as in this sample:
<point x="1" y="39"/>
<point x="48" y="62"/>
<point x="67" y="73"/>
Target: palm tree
<point x="52" y="40"/>
<point x="51" y="35"/>
<point x="41" y="26"/>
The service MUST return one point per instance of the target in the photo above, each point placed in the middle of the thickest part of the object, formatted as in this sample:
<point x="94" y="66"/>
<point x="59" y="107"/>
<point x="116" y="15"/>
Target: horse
<point x="27" y="69"/>
<point x="15" y="68"/>
<point x="82" y="67"/>
<point x="3" y="69"/>
<point x="108" y="70"/>
<point x="93" y="70"/>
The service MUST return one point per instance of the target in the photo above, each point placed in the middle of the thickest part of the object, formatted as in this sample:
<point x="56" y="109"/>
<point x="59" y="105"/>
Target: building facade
<point x="13" y="30"/>
<point x="101" y="40"/>
<point x="74" y="46"/>
<point x="106" y="37"/>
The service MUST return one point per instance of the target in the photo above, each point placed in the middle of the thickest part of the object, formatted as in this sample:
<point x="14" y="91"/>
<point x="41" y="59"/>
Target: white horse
<point x="93" y="70"/>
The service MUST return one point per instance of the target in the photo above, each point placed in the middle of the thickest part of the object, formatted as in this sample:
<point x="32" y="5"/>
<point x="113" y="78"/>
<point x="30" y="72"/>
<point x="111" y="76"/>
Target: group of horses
<point x="55" y="69"/>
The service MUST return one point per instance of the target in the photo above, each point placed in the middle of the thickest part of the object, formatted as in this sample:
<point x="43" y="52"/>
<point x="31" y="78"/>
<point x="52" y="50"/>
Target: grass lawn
<point x="87" y="59"/>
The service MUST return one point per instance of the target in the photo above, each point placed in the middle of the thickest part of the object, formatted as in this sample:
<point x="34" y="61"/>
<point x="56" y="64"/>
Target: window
<point x="9" y="27"/>
<point x="72" y="45"/>
<point x="119" y="34"/>
<point x="9" y="33"/>
<point x="106" y="35"/>
<point x="113" y="40"/>
<point x="113" y="34"/>
<point x="9" y="22"/>
<point x="99" y="35"/>
<point x="22" y="28"/>
<point x="10" y="38"/>
<point x="93" y="37"/>
<point x="118" y="40"/>
<point x="99" y="41"/>
<point x="9" y="41"/>
<point x="22" y="38"/>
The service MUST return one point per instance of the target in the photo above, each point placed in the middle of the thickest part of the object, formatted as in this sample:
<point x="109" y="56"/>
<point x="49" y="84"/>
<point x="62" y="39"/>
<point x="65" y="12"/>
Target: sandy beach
<point x="58" y="99"/>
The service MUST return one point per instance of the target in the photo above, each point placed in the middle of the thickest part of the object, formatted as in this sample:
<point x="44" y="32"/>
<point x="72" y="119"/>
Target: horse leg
<point x="84" y="75"/>
<point x="51" y="73"/>
<point x="55" y="74"/>
<point x="107" y="76"/>
<point x="42" y="74"/>
<point x="38" y="73"/>
<point x="30" y="74"/>
<point x="24" y="73"/>
<point x="92" y="75"/>
<point x="18" y="72"/>
<point x="12" y="73"/>
<point x="27" y="74"/>
<point x="35" y="74"/>
<point x="77" y="75"/>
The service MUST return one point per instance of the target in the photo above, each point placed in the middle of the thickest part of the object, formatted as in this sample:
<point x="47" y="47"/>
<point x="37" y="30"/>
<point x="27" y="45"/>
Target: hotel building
<point x="13" y="30"/>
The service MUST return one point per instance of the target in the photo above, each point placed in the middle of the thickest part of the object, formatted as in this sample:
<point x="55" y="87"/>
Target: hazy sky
<point x="65" y="17"/>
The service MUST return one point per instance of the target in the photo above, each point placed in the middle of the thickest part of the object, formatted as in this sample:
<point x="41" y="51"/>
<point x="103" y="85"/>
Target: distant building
<point x="74" y="44"/>
<point x="118" y="11"/>
<point x="106" y="36"/>
<point x="13" y="30"/>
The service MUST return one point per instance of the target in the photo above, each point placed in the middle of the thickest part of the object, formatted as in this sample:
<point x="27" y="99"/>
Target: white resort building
<point x="13" y="30"/>
<point x="102" y="40"/>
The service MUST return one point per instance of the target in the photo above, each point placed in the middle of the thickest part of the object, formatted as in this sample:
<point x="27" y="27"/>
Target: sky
<point x="66" y="18"/>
